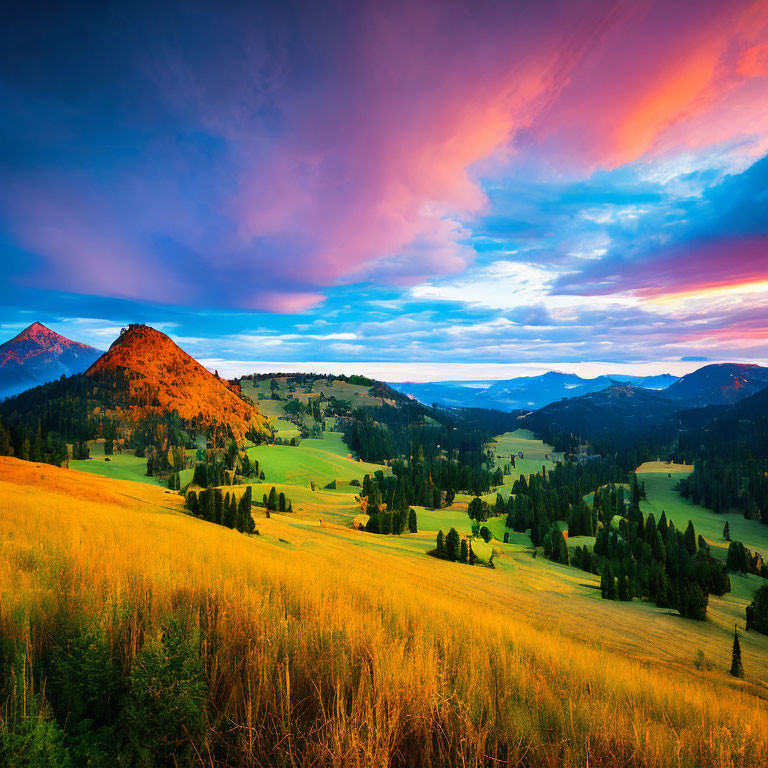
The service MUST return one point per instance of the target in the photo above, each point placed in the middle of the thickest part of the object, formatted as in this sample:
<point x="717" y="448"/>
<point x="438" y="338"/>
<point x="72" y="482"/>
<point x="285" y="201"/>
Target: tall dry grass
<point x="323" y="653"/>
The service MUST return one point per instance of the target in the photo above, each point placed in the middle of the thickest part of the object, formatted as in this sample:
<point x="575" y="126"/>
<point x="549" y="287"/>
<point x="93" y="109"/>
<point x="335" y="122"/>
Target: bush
<point x="164" y="717"/>
<point x="702" y="662"/>
<point x="29" y="736"/>
<point x="757" y="611"/>
<point x="86" y="689"/>
<point x="692" y="601"/>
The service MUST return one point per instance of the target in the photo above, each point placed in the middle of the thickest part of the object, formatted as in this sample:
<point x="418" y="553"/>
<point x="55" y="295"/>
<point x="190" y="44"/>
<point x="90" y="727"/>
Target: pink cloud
<point x="343" y="143"/>
<point x="694" y="266"/>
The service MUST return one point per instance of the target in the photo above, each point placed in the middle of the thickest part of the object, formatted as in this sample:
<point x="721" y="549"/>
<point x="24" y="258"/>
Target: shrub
<point x="757" y="611"/>
<point x="164" y="717"/>
<point x="701" y="661"/>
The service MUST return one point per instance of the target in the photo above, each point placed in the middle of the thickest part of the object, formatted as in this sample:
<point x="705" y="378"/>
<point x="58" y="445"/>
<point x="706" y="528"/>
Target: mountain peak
<point x="41" y="334"/>
<point x="162" y="377"/>
<point x="38" y="355"/>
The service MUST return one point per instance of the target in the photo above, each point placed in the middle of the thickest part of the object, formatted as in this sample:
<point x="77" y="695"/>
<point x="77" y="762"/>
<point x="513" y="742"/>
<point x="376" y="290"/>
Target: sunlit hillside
<point x="162" y="378"/>
<point x="328" y="646"/>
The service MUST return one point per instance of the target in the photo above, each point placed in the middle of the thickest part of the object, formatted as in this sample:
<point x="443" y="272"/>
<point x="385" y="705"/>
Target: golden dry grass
<point x="325" y="648"/>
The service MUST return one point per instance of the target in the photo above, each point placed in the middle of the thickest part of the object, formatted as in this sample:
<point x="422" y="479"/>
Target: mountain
<point x="719" y="384"/>
<point x="619" y="410"/>
<point x="159" y="377"/>
<point x="524" y="392"/>
<point x="39" y="355"/>
<point x="454" y="394"/>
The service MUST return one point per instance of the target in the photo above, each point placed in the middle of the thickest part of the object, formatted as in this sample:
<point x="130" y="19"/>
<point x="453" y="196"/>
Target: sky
<point x="419" y="190"/>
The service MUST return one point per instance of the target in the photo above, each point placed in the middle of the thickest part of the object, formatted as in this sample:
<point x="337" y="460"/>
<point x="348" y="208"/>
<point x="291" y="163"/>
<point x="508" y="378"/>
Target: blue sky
<point x="416" y="191"/>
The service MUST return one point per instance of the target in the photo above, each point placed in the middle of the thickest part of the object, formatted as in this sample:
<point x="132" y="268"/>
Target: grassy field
<point x="309" y="462"/>
<point x="333" y="647"/>
<point x="122" y="466"/>
<point x="533" y="450"/>
<point x="660" y="480"/>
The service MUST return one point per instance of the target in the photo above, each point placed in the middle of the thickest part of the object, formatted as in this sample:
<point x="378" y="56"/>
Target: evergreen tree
<point x="692" y="601"/>
<point x="217" y="506"/>
<point x="623" y="587"/>
<point x="690" y="538"/>
<point x="757" y="611"/>
<point x="191" y="503"/>
<point x="230" y="511"/>
<point x="412" y="523"/>
<point x="245" y="522"/>
<point x="272" y="499"/>
<point x="737" y="670"/>
<point x="464" y="551"/>
<point x="607" y="584"/>
<point x="452" y="544"/>
<point x="281" y="502"/>
<point x="440" y="543"/>
<point x="727" y="531"/>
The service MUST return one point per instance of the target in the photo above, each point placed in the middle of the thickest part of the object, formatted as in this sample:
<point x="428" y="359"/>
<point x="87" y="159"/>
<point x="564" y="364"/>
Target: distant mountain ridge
<point x="38" y="355"/>
<point x="619" y="409"/>
<point x="719" y="384"/>
<point x="524" y="392"/>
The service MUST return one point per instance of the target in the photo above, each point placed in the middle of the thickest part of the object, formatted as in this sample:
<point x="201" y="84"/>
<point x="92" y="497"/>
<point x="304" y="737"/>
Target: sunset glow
<point x="386" y="171"/>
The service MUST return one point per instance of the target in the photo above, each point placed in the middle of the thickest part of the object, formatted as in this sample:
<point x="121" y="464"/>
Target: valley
<point x="332" y="613"/>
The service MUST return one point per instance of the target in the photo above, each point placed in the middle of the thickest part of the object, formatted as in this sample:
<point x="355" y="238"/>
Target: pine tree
<point x="440" y="543"/>
<point x="245" y="522"/>
<point x="217" y="503"/>
<point x="727" y="531"/>
<point x="230" y="511"/>
<point x="624" y="591"/>
<point x="452" y="544"/>
<point x="690" y="538"/>
<point x="272" y="500"/>
<point x="607" y="584"/>
<point x="737" y="670"/>
<point x="191" y="503"/>
<point x="412" y="523"/>
<point x="464" y="551"/>
<point x="281" y="502"/>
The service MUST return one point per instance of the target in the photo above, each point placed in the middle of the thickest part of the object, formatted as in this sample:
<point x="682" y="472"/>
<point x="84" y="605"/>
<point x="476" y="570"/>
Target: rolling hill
<point x="719" y="384"/>
<point x="619" y="410"/>
<point x="39" y="355"/>
<point x="144" y="390"/>
<point x="159" y="377"/>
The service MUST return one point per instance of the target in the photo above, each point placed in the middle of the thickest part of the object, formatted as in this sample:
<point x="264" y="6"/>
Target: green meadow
<point x="660" y="483"/>
<point x="309" y="462"/>
<point x="121" y="466"/>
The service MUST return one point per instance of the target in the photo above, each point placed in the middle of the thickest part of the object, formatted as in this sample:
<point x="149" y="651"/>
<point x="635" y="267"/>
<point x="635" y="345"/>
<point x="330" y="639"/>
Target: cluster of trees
<point x="397" y="517"/>
<point x="757" y="611"/>
<point x="743" y="560"/>
<point x="539" y="501"/>
<point x="223" y="509"/>
<point x="453" y="547"/>
<point x="730" y="457"/>
<point x="431" y="461"/>
<point x="555" y="546"/>
<point x="276" y="502"/>
<point x="29" y="444"/>
<point x="224" y="466"/>
<point x="721" y="483"/>
<point x="395" y="522"/>
<point x="37" y="425"/>
<point x="174" y="460"/>
<point x="643" y="558"/>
